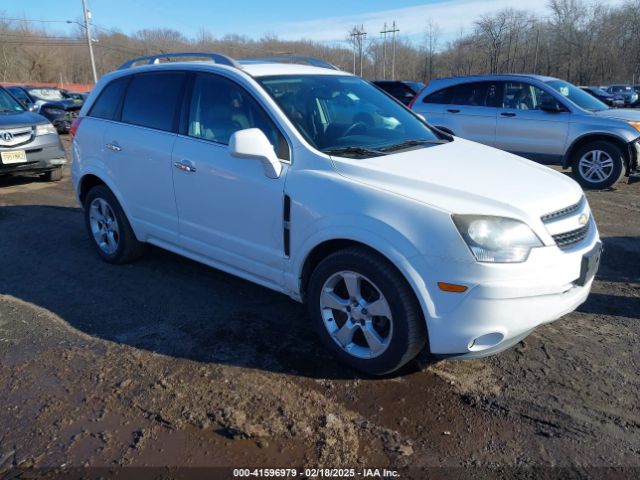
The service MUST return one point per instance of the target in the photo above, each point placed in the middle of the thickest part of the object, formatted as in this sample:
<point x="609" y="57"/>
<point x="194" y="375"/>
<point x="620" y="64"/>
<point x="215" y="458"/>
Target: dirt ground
<point x="165" y="362"/>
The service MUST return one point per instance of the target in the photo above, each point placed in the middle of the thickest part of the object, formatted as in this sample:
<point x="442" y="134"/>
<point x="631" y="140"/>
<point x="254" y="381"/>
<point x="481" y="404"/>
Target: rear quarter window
<point x="152" y="100"/>
<point x="109" y="100"/>
<point x="440" y="97"/>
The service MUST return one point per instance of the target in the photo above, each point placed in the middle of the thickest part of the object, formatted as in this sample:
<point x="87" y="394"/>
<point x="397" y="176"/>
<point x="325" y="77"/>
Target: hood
<point x="620" y="114"/>
<point x="467" y="177"/>
<point x="20" y="119"/>
<point x="61" y="104"/>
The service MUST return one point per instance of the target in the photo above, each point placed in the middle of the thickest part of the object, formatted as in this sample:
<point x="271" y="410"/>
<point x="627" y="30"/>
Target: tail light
<point x="74" y="127"/>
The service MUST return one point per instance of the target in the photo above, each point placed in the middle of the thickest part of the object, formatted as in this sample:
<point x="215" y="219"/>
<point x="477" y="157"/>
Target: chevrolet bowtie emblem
<point x="583" y="219"/>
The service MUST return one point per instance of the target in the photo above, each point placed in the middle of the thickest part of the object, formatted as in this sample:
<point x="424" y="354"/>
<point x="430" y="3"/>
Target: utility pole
<point x="384" y="51"/>
<point x="87" y="27"/>
<point x="357" y="33"/>
<point x="393" y="32"/>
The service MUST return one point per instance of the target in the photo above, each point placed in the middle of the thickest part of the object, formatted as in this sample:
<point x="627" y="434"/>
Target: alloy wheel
<point x="596" y="166"/>
<point x="104" y="226"/>
<point x="356" y="314"/>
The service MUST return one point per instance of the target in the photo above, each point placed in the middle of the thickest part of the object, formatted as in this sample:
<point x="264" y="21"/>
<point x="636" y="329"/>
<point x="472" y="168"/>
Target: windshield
<point x="577" y="96"/>
<point x="8" y="104"/>
<point x="346" y="114"/>
<point x="47" y="94"/>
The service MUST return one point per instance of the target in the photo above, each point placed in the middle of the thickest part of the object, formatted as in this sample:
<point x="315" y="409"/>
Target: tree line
<point x="582" y="42"/>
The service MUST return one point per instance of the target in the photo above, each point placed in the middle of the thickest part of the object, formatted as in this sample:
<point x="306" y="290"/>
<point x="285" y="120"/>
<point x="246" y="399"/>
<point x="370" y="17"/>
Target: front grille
<point x="567" y="239"/>
<point x="17" y="136"/>
<point x="563" y="212"/>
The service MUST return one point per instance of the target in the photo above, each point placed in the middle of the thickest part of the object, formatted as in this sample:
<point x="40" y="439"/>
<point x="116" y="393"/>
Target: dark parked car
<point x="29" y="143"/>
<point x="614" y="100"/>
<point x="629" y="94"/>
<point x="402" y="90"/>
<point x="50" y="103"/>
<point x="77" y="97"/>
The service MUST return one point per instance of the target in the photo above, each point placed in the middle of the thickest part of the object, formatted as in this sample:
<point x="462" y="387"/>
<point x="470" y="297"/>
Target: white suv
<point x="312" y="182"/>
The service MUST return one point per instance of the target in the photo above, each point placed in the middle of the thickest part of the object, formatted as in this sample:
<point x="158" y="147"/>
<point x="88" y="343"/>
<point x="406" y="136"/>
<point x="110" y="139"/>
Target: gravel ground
<point x="166" y="362"/>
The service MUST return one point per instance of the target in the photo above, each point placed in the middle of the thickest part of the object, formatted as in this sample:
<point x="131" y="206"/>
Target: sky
<point x="320" y="20"/>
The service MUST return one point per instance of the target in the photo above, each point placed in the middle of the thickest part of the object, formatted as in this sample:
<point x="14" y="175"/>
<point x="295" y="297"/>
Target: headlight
<point x="45" y="129"/>
<point x="635" y="125"/>
<point x="496" y="239"/>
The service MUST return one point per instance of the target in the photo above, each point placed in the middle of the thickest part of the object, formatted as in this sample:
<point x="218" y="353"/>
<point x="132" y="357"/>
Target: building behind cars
<point x="541" y="118"/>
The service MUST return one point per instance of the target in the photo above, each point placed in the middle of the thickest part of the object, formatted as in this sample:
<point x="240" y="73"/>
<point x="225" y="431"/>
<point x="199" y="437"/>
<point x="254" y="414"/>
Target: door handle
<point x="185" y="166"/>
<point x="507" y="114"/>
<point x="113" y="147"/>
<point x="453" y="110"/>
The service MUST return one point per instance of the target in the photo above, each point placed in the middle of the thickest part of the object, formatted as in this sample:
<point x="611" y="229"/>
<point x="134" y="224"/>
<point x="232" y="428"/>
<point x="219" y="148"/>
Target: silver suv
<point x="542" y="118"/>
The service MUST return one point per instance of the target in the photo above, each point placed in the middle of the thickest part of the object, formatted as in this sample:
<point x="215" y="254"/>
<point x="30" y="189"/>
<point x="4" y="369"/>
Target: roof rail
<point x="154" y="59"/>
<point x="316" y="62"/>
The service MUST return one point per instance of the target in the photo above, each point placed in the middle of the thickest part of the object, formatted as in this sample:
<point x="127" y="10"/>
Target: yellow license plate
<point x="17" y="156"/>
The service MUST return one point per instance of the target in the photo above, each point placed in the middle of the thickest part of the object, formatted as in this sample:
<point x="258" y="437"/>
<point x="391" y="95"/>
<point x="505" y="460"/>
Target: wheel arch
<point x="594" y="137"/>
<point x="87" y="182"/>
<point x="321" y="249"/>
<point x="94" y="178"/>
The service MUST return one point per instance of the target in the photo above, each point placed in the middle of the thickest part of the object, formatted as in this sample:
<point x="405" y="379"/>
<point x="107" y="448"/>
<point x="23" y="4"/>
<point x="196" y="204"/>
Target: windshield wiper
<point x="412" y="143"/>
<point x="353" y="150"/>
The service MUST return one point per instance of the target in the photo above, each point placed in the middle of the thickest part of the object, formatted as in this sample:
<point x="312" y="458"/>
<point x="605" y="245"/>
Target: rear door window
<point x="108" y="103"/>
<point x="152" y="100"/>
<point x="523" y="96"/>
<point x="472" y="94"/>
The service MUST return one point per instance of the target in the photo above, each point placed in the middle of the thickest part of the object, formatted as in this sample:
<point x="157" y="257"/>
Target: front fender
<point x="370" y="232"/>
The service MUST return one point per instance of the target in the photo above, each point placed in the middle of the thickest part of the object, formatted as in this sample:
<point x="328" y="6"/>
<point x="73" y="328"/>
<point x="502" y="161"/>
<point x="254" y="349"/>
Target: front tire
<point x="108" y="227"/>
<point x="598" y="165"/>
<point x="365" y="312"/>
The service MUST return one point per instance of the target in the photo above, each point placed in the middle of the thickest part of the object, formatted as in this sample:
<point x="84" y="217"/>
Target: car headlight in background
<point x="635" y="125"/>
<point x="45" y="129"/>
<point x="496" y="239"/>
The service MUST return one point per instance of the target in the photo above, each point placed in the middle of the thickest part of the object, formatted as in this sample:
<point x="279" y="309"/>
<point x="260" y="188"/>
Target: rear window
<point x="152" y="99"/>
<point x="107" y="104"/>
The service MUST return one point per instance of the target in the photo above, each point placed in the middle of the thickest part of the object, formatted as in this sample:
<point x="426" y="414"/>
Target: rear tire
<point x="598" y="165"/>
<point x="376" y="327"/>
<point x="108" y="227"/>
<point x="54" y="175"/>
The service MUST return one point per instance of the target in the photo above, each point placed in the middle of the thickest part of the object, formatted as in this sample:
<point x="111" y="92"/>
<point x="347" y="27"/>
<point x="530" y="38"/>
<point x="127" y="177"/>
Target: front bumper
<point x="42" y="155"/>
<point x="504" y="302"/>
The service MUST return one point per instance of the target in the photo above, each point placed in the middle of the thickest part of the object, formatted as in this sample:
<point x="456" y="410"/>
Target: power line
<point x="45" y="37"/>
<point x="31" y="20"/>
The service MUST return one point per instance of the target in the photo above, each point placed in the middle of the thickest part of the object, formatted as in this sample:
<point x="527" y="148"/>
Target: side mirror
<point x="32" y="107"/>
<point x="253" y="144"/>
<point x="550" y="105"/>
